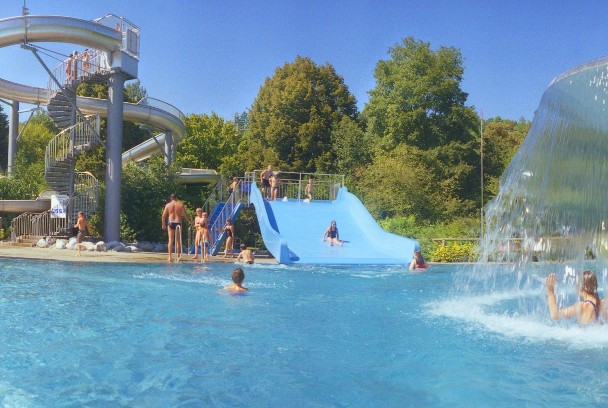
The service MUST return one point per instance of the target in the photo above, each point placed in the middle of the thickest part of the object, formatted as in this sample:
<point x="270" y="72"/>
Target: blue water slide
<point x="292" y="231"/>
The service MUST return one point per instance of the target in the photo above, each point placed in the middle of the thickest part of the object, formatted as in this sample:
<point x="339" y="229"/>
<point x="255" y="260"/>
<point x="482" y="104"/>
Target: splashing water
<point x="551" y="211"/>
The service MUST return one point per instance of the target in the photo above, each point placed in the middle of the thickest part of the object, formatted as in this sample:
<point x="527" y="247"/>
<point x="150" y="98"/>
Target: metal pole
<point x="13" y="133"/>
<point x="114" y="156"/>
<point x="168" y="148"/>
<point x="481" y="154"/>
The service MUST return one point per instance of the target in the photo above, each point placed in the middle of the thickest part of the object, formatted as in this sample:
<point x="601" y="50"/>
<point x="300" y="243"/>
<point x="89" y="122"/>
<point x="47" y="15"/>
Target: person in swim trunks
<point x="275" y="183"/>
<point x="265" y="180"/>
<point x="587" y="311"/>
<point x="246" y="255"/>
<point x="332" y="235"/>
<point x="174" y="211"/>
<point x="310" y="189"/>
<point x="83" y="229"/>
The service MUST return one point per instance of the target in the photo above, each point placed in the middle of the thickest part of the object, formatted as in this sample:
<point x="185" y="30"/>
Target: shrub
<point x="455" y="252"/>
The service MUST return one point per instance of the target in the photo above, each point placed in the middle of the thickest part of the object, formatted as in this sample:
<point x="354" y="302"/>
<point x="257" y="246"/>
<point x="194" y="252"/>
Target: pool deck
<point x="90" y="256"/>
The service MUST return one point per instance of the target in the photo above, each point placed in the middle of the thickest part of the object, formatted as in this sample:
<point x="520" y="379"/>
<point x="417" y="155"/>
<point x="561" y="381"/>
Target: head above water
<point x="238" y="276"/>
<point x="589" y="283"/>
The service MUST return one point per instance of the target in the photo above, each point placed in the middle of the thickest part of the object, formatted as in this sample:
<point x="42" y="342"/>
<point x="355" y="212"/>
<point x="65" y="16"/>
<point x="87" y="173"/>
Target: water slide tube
<point x="292" y="232"/>
<point x="93" y="35"/>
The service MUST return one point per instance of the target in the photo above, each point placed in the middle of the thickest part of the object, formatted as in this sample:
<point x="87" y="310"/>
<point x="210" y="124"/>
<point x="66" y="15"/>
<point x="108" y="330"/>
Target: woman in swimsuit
<point x="275" y="182"/>
<point x="229" y="231"/>
<point x="586" y="311"/>
<point x="418" y="262"/>
<point x="332" y="235"/>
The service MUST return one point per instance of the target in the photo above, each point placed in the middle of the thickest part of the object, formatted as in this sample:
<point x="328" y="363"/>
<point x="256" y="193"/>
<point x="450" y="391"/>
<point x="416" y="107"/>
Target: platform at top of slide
<point x="293" y="230"/>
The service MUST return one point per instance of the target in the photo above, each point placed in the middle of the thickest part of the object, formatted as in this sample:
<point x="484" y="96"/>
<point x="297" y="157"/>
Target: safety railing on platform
<point x="79" y="67"/>
<point x="128" y="31"/>
<point x="293" y="186"/>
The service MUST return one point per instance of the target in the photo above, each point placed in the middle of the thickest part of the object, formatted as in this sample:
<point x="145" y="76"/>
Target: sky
<point x="213" y="56"/>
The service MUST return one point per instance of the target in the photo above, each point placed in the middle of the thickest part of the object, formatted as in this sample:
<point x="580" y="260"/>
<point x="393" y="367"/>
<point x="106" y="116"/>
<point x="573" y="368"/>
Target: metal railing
<point x="61" y="146"/>
<point x="293" y="185"/>
<point x="78" y="69"/>
<point x="216" y="229"/>
<point x="86" y="194"/>
<point x="129" y="32"/>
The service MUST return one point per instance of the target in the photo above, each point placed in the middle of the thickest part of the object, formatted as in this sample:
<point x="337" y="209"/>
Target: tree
<point x="417" y="99"/>
<point x="417" y="102"/>
<point x="292" y="116"/>
<point x="501" y="139"/>
<point x="210" y="141"/>
<point x="351" y="145"/>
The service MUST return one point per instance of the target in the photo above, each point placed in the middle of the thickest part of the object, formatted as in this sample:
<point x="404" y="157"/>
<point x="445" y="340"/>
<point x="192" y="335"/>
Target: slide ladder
<point x="228" y="210"/>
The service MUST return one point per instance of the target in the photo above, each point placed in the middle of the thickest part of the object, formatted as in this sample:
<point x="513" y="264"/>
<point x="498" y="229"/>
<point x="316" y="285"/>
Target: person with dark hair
<point x="332" y="235"/>
<point x="265" y="180"/>
<point x="229" y="231"/>
<point x="586" y="311"/>
<point x="246" y="255"/>
<point x="174" y="211"/>
<point x="418" y="262"/>
<point x="238" y="276"/>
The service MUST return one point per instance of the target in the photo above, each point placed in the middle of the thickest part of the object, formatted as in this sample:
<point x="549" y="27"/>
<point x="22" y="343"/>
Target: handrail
<point x="216" y="229"/>
<point x="293" y="184"/>
<point x="164" y="106"/>
<point x="75" y="70"/>
<point x="128" y="30"/>
<point x="61" y="145"/>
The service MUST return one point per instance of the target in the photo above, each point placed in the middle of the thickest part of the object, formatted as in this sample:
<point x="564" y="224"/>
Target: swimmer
<point x="83" y="229"/>
<point x="586" y="311"/>
<point x="332" y="235"/>
<point x="246" y="254"/>
<point x="418" y="262"/>
<point x="175" y="211"/>
<point x="238" y="276"/>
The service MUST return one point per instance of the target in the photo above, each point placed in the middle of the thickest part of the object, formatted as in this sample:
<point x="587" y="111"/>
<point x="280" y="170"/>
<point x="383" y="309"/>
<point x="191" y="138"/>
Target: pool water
<point x="75" y="334"/>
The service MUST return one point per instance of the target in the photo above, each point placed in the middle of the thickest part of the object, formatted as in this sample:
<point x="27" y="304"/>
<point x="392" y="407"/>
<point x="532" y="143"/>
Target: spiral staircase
<point x="78" y="134"/>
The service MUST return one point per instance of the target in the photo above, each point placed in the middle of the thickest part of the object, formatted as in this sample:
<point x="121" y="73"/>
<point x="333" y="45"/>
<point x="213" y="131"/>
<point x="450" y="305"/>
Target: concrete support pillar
<point x="169" y="151"/>
<point x="114" y="156"/>
<point x="13" y="132"/>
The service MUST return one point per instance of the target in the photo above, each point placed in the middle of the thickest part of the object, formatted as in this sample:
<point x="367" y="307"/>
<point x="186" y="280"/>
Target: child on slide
<point x="332" y="235"/>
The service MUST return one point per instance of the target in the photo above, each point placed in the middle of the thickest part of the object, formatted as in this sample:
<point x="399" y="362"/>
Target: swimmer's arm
<point x="554" y="311"/>
<point x="325" y="234"/>
<point x="413" y="265"/>
<point x="240" y="255"/>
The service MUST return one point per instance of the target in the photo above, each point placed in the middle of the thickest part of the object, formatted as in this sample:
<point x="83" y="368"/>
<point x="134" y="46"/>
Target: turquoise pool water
<point x="164" y="335"/>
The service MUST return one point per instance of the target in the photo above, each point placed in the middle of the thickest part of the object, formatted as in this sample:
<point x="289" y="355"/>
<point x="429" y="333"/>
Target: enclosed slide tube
<point x="292" y="232"/>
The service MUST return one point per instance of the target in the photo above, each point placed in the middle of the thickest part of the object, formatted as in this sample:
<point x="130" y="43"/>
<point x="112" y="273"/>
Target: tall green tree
<point x="292" y="116"/>
<point x="417" y="102"/>
<point x="210" y="142"/>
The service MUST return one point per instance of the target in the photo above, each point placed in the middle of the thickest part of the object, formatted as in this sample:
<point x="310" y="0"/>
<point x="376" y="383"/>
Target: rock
<point x="61" y="244"/>
<point x="118" y="248"/>
<point x="71" y="243"/>
<point x="42" y="243"/>
<point x="100" y="246"/>
<point x="160" y="247"/>
<point x="127" y="248"/>
<point x="112" y="244"/>
<point x="132" y="248"/>
<point x="50" y="241"/>
<point x="89" y="246"/>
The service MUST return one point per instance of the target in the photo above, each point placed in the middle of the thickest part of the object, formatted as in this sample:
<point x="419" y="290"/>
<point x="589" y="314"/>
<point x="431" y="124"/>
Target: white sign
<point x="59" y="204"/>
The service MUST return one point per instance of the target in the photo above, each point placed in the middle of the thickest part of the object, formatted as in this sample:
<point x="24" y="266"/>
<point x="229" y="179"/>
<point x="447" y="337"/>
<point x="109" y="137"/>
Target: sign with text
<point x="59" y="205"/>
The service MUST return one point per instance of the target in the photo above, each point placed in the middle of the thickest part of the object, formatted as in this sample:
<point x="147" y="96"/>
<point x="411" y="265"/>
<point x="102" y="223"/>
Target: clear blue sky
<point x="213" y="55"/>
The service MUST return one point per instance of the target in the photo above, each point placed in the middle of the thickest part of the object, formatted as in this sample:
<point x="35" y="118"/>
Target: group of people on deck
<point x="271" y="184"/>
<point x="171" y="220"/>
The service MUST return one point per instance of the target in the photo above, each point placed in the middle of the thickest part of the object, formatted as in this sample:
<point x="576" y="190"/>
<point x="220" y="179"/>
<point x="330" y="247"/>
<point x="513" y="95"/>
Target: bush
<point x="455" y="252"/>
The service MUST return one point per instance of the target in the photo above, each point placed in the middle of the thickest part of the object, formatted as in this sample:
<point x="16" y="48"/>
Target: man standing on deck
<point x="175" y="211"/>
<point x="265" y="180"/>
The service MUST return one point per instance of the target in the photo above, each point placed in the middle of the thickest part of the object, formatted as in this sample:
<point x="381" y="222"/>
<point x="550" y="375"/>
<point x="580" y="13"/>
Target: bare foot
<point x="169" y="260"/>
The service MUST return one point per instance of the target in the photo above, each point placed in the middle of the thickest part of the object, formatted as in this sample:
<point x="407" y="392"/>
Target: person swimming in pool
<point x="238" y="276"/>
<point x="174" y="211"/>
<point x="418" y="262"/>
<point x="245" y="255"/>
<point x="332" y="235"/>
<point x="587" y="311"/>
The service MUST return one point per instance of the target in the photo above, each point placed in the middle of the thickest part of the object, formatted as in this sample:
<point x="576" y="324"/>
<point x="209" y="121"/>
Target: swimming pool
<point x="77" y="334"/>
